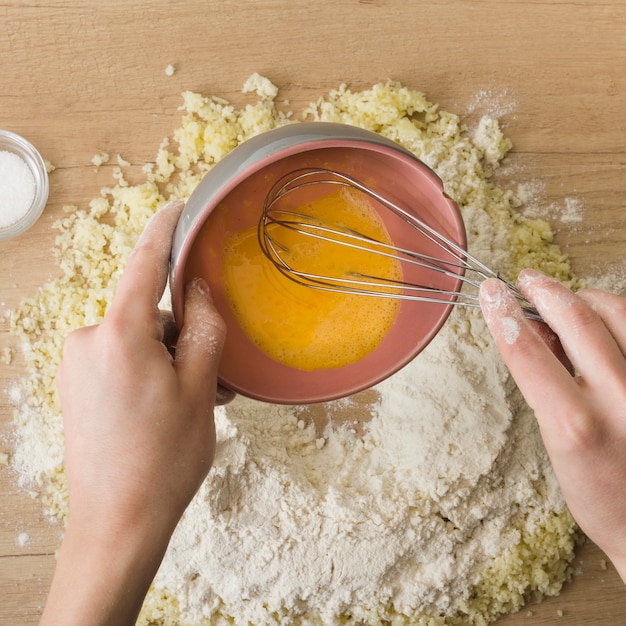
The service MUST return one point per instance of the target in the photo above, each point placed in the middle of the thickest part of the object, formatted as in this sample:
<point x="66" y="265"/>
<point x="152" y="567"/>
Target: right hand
<point x="583" y="417"/>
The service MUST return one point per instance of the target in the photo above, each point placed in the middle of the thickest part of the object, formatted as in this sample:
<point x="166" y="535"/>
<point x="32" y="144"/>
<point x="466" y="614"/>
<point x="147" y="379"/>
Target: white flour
<point x="401" y="518"/>
<point x="395" y="518"/>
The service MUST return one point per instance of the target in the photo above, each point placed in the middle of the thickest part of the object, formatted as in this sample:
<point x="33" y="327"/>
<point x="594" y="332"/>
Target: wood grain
<point x="80" y="78"/>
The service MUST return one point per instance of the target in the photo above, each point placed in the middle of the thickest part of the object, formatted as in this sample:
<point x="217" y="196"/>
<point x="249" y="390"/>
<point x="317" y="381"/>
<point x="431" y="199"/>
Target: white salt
<point x="17" y="188"/>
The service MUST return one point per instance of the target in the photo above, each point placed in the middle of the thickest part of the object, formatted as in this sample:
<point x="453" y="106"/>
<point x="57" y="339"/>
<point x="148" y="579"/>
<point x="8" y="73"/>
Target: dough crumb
<point x="100" y="159"/>
<point x="7" y="355"/>
<point x="122" y="162"/>
<point x="263" y="87"/>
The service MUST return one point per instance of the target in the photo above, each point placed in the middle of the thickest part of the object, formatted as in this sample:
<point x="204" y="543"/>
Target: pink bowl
<point x="240" y="183"/>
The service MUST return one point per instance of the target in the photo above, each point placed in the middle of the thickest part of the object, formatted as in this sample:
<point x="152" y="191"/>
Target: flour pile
<point x="427" y="501"/>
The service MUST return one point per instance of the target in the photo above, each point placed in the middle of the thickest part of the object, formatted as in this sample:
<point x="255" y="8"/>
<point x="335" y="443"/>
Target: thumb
<point x="201" y="340"/>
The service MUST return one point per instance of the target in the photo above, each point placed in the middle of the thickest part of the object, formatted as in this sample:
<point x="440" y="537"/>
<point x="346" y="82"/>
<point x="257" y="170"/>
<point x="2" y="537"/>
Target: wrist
<point x="103" y="573"/>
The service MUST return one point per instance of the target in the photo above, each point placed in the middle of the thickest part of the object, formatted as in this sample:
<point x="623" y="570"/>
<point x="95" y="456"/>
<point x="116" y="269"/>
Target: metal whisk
<point x="455" y="262"/>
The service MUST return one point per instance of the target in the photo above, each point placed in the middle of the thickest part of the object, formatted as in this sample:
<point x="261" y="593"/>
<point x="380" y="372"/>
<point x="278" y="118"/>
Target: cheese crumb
<point x="7" y="355"/>
<point x="262" y="86"/>
<point x="4" y="458"/>
<point x="489" y="137"/>
<point x="122" y="162"/>
<point x="100" y="159"/>
<point x="169" y="70"/>
<point x="118" y="175"/>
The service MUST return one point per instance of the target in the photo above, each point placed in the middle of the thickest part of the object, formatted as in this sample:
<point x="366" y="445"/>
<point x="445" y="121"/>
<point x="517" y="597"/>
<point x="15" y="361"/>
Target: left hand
<point x="139" y="431"/>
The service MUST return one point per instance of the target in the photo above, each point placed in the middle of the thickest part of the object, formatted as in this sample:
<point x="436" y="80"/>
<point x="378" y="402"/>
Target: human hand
<point x="139" y="434"/>
<point x="583" y="417"/>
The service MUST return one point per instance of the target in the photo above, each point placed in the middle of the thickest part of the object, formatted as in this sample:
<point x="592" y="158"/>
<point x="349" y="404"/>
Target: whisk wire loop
<point x="459" y="264"/>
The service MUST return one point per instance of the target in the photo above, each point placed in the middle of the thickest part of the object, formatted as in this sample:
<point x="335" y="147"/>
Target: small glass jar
<point x="11" y="142"/>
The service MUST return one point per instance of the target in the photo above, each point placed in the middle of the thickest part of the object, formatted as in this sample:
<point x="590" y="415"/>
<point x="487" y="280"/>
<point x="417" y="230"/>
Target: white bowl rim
<point x="19" y="145"/>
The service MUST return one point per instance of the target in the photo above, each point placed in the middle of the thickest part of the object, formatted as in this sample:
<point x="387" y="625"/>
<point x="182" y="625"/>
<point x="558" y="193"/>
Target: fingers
<point x="145" y="276"/>
<point x="588" y="341"/>
<point x="569" y="410"/>
<point x="201" y="340"/>
<point x="197" y="348"/>
<point x="612" y="311"/>
<point x="170" y="331"/>
<point x="223" y="395"/>
<point x="529" y="359"/>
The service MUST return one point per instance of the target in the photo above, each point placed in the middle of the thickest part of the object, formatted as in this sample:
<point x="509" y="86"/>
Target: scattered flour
<point x="609" y="279"/>
<point x="431" y="504"/>
<point x="492" y="103"/>
<point x="22" y="540"/>
<point x="573" y="212"/>
<point x="531" y="195"/>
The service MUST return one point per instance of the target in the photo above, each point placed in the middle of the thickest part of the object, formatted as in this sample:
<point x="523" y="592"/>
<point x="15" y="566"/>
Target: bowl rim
<point x="256" y="154"/>
<point x="20" y="146"/>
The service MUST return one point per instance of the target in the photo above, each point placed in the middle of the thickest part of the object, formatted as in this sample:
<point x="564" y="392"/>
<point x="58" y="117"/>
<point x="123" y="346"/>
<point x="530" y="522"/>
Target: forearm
<point x="102" y="581"/>
<point x="139" y="435"/>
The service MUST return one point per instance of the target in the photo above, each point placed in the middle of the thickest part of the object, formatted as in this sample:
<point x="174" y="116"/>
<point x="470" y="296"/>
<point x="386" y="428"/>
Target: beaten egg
<point x="304" y="327"/>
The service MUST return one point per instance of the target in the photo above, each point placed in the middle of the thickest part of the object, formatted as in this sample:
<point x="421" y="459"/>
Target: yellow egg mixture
<point x="303" y="327"/>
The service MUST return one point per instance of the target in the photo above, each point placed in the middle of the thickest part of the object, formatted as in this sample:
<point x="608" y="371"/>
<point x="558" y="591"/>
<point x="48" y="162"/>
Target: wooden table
<point x="80" y="78"/>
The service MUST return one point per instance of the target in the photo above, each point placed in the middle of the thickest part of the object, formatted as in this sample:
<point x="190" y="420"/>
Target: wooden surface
<point x="80" y="78"/>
